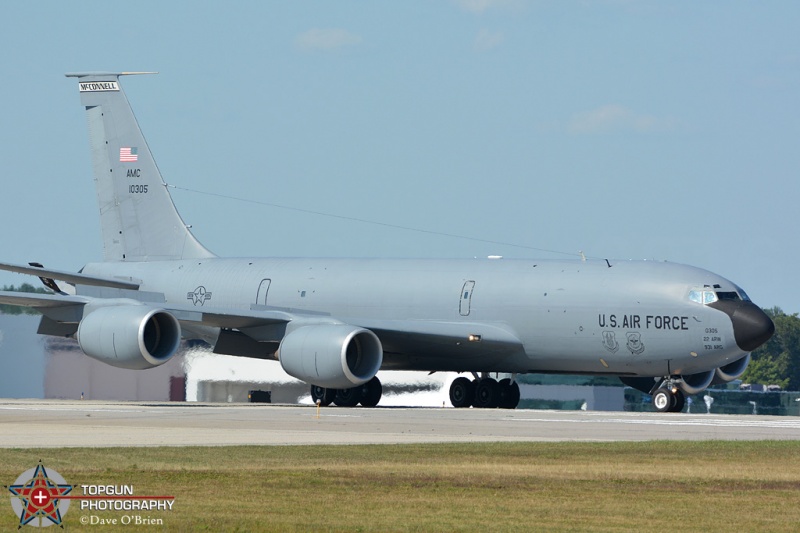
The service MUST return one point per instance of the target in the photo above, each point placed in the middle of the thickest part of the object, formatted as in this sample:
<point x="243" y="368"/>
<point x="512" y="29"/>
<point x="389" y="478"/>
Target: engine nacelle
<point x="731" y="371"/>
<point x="696" y="383"/>
<point x="135" y="337"/>
<point x="335" y="356"/>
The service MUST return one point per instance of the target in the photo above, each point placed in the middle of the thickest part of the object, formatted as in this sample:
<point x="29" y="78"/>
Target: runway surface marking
<point x="58" y="423"/>
<point x="711" y="422"/>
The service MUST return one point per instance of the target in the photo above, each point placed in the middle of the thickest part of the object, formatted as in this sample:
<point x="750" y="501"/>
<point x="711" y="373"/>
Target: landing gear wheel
<point x="461" y="392"/>
<point x="348" y="397"/>
<point x="663" y="400"/>
<point x="679" y="400"/>
<point x="322" y="395"/>
<point x="487" y="393"/>
<point x="371" y="392"/>
<point x="509" y="394"/>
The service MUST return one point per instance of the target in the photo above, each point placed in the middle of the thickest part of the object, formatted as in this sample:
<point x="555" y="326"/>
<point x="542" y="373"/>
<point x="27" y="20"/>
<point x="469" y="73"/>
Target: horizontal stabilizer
<point x="103" y="74"/>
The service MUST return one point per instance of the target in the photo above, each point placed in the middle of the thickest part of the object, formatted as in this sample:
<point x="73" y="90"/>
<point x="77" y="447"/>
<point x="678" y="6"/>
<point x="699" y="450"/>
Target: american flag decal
<point x="128" y="154"/>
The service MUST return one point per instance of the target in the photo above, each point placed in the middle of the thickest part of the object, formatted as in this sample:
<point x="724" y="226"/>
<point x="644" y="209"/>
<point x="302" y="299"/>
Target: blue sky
<point x="627" y="130"/>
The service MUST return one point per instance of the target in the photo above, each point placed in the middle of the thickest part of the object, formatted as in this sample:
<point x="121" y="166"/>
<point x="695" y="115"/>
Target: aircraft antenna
<point x="366" y="221"/>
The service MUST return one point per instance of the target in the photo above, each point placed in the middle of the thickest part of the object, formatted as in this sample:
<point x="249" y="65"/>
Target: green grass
<point x="707" y="486"/>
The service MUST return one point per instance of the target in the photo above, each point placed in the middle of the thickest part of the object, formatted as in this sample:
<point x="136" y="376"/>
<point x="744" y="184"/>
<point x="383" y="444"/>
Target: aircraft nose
<point x="751" y="326"/>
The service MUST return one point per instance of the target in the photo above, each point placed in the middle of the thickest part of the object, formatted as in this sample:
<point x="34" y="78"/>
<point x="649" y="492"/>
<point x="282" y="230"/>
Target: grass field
<point x="688" y="486"/>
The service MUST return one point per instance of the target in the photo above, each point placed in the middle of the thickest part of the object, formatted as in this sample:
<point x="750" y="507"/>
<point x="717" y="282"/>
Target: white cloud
<point x="487" y="40"/>
<point x="614" y="118"/>
<point x="479" y="6"/>
<point x="325" y="39"/>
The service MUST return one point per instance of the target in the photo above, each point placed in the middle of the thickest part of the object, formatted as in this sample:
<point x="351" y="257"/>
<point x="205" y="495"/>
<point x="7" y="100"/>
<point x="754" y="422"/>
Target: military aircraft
<point x="666" y="329"/>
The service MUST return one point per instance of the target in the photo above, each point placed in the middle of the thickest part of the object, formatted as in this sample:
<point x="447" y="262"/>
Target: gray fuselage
<point x="630" y="318"/>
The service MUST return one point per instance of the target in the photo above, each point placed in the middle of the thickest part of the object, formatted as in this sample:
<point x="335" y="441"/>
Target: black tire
<point x="323" y="395"/>
<point x="487" y="394"/>
<point x="663" y="400"/>
<point x="371" y="392"/>
<point x="348" y="397"/>
<point x="509" y="394"/>
<point x="679" y="401"/>
<point x="461" y="392"/>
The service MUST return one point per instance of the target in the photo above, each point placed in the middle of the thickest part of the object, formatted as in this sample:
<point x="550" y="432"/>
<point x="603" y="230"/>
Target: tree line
<point x="17" y="310"/>
<point x="777" y="362"/>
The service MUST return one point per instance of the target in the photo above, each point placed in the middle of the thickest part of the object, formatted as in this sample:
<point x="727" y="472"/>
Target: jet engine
<point x="129" y="336"/>
<point x="696" y="383"/>
<point x="731" y="371"/>
<point x="334" y="356"/>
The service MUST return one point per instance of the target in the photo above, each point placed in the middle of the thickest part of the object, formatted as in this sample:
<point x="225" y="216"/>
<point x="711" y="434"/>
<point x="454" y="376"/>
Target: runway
<point x="57" y="423"/>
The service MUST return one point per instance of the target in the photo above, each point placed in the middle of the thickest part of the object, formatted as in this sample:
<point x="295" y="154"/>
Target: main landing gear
<point x="368" y="395"/>
<point x="669" y="400"/>
<point x="484" y="392"/>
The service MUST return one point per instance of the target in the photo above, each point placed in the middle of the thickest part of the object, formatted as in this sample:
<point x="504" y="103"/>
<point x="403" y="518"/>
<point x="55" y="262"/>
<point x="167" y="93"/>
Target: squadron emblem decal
<point x="199" y="296"/>
<point x="635" y="344"/>
<point x="610" y="341"/>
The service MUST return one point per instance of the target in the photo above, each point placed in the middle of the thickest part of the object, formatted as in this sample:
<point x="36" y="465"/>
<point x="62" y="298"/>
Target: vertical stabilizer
<point x="138" y="220"/>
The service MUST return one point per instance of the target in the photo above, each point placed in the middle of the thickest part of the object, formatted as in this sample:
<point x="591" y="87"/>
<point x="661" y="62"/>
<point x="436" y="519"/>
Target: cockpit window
<point x="707" y="295"/>
<point x="727" y="295"/>
<point x="743" y="294"/>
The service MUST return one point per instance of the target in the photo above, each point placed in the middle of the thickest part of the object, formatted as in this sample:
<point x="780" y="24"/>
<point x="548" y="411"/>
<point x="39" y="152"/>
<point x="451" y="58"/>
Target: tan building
<point x="33" y="366"/>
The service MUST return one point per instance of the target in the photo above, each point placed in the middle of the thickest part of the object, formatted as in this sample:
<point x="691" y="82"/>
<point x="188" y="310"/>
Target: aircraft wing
<point x="230" y="318"/>
<point x="257" y="332"/>
<point x="61" y="312"/>
<point x="427" y="344"/>
<point x="39" y="301"/>
<point x="224" y="318"/>
<point x="70" y="277"/>
<point x="254" y="333"/>
<point x="434" y="342"/>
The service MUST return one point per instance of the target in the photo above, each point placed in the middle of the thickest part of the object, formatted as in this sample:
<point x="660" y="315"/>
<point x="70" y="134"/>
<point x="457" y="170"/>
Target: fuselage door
<point x="263" y="289"/>
<point x="466" y="298"/>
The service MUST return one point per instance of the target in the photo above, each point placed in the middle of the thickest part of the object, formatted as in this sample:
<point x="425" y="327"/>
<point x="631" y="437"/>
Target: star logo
<point x="37" y="497"/>
<point x="199" y="296"/>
